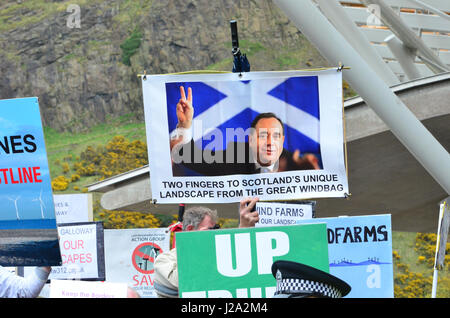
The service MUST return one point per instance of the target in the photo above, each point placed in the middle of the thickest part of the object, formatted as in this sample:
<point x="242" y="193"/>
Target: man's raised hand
<point x="247" y="217"/>
<point x="185" y="110"/>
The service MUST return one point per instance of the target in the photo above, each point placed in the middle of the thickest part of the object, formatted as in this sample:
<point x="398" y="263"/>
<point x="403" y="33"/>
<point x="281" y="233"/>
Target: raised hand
<point x="307" y="161"/>
<point x="185" y="110"/>
<point x="247" y="218"/>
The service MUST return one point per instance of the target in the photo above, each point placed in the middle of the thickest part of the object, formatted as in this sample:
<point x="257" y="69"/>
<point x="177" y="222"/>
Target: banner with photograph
<point x="213" y="137"/>
<point x="73" y="208"/>
<point x="130" y="255"/>
<point x="28" y="234"/>
<point x="236" y="263"/>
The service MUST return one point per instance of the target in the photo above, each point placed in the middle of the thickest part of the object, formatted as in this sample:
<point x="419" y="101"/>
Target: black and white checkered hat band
<point x="292" y="285"/>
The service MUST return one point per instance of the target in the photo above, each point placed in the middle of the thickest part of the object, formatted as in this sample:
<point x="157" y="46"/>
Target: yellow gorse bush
<point x="60" y="183"/>
<point x="117" y="156"/>
<point x="127" y="220"/>
<point x="426" y="247"/>
<point x="65" y="167"/>
<point x="408" y="284"/>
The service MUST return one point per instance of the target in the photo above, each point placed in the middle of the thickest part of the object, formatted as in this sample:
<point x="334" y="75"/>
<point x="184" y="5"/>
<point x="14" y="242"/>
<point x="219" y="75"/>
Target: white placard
<point x="274" y="213"/>
<point x="78" y="245"/>
<point x="73" y="208"/>
<point x="81" y="289"/>
<point x="129" y="256"/>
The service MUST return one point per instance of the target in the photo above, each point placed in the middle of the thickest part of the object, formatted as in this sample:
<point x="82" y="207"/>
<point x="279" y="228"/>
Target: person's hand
<point x="248" y="218"/>
<point x="47" y="269"/>
<point x="306" y="162"/>
<point x="185" y="110"/>
<point x="175" y="141"/>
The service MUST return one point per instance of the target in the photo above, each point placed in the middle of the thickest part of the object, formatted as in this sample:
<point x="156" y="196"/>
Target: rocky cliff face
<point x="79" y="73"/>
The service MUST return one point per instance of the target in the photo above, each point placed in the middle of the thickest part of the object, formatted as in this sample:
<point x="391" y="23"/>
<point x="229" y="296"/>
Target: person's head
<point x="266" y="138"/>
<point x="199" y="219"/>
<point x="297" y="280"/>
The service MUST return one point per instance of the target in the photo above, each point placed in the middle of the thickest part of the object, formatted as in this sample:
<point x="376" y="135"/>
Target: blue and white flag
<point x="295" y="100"/>
<point x="308" y="103"/>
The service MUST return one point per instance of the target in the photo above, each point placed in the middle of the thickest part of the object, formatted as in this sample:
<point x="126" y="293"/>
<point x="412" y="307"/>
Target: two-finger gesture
<point x="185" y="110"/>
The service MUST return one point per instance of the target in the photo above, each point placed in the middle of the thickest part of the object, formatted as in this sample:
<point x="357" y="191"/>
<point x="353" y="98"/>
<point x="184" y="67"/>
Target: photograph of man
<point x="263" y="153"/>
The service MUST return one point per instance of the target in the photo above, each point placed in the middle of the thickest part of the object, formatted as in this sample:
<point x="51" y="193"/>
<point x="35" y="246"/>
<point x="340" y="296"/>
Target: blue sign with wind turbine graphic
<point x="28" y="234"/>
<point x="360" y="253"/>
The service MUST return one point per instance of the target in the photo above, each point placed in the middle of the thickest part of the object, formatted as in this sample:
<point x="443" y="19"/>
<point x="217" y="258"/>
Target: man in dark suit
<point x="263" y="153"/>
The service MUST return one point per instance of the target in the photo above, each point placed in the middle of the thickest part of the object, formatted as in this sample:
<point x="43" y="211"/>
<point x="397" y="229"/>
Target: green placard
<point x="237" y="262"/>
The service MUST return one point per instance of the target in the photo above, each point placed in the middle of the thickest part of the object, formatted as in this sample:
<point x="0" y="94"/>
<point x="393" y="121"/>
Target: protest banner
<point x="73" y="208"/>
<point x="28" y="234"/>
<point x="277" y="213"/>
<point x="130" y="255"/>
<point x="360" y="253"/>
<point x="81" y="289"/>
<point x="442" y="233"/>
<point x="82" y="252"/>
<point x="441" y="242"/>
<point x="207" y="152"/>
<point x="237" y="262"/>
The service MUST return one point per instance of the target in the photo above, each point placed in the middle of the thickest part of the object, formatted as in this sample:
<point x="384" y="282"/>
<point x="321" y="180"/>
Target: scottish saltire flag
<point x="309" y="103"/>
<point x="234" y="104"/>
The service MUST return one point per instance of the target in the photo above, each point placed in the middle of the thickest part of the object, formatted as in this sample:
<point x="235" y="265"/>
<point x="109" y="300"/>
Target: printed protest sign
<point x="130" y="255"/>
<point x="80" y="289"/>
<point x="276" y="213"/>
<point x="213" y="136"/>
<point x="73" y="208"/>
<point x="237" y="262"/>
<point x="28" y="235"/>
<point x="82" y="251"/>
<point x="442" y="234"/>
<point x="360" y="253"/>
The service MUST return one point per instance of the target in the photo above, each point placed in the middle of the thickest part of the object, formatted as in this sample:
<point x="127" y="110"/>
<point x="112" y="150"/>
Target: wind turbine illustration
<point x="41" y="203"/>
<point x="15" y="205"/>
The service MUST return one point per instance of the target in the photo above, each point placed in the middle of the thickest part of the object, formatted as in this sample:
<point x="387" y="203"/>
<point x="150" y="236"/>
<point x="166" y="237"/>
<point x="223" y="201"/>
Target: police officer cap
<point x="299" y="280"/>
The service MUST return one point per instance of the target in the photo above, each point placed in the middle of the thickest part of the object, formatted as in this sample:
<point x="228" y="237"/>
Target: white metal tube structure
<point x="435" y="281"/>
<point x="342" y="22"/>
<point x="402" y="122"/>
<point x="432" y="9"/>
<point x="407" y="36"/>
<point x="435" y="269"/>
<point x="404" y="56"/>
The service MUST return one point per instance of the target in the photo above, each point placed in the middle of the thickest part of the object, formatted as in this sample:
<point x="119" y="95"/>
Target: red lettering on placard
<point x="73" y="245"/>
<point x="20" y="175"/>
<point x="81" y="258"/>
<point x="141" y="280"/>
